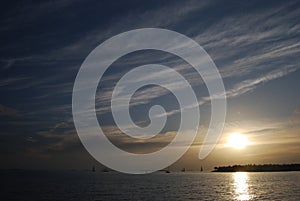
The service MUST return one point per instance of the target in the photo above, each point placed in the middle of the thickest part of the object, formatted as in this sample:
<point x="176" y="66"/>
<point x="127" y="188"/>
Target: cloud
<point x="136" y="145"/>
<point x="8" y="63"/>
<point x="250" y="84"/>
<point x="241" y="40"/>
<point x="244" y="87"/>
<point x="7" y="111"/>
<point x="9" y="82"/>
<point x="257" y="40"/>
<point x="296" y="111"/>
<point x="264" y="132"/>
<point x="60" y="137"/>
<point x="30" y="12"/>
<point x="222" y="42"/>
<point x="250" y="48"/>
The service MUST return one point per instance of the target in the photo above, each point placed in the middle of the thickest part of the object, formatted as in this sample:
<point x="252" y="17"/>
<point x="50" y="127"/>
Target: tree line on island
<point x="258" y="168"/>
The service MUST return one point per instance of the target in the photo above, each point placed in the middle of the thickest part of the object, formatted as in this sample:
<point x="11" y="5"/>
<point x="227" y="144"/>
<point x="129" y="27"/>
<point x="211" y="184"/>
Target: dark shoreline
<point x="258" y="168"/>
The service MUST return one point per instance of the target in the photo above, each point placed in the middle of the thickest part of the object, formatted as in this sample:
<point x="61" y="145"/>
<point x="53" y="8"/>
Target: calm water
<point x="77" y="185"/>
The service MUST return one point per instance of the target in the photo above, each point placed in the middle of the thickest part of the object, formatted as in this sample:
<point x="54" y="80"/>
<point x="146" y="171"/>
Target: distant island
<point x="258" y="168"/>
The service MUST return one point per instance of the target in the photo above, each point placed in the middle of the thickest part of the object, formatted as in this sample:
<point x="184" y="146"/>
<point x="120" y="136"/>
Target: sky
<point x="254" y="44"/>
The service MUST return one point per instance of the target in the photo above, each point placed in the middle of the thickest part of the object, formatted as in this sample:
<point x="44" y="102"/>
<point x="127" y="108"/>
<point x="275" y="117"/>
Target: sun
<point x="237" y="141"/>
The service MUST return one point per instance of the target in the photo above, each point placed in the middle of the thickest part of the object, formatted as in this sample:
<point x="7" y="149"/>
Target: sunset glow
<point x="237" y="141"/>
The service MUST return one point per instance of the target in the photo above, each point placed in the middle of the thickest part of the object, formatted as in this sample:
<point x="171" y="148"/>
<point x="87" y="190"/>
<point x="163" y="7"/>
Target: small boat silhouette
<point x="168" y="170"/>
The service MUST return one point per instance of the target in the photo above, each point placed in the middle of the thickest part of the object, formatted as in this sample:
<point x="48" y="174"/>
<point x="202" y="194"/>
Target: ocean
<point x="91" y="186"/>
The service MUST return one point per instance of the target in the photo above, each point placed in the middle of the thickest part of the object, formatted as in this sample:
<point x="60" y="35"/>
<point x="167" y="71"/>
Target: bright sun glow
<point x="237" y="141"/>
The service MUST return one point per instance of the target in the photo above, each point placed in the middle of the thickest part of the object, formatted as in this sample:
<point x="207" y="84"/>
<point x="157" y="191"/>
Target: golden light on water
<point x="237" y="141"/>
<point x="241" y="186"/>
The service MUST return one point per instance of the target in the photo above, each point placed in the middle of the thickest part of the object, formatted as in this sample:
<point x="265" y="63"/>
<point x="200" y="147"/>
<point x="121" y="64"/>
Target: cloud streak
<point x="39" y="65"/>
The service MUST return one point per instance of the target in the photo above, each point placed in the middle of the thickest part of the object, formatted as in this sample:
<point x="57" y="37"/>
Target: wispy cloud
<point x="8" y="111"/>
<point x="12" y="81"/>
<point x="249" y="85"/>
<point x="238" y="40"/>
<point x="249" y="48"/>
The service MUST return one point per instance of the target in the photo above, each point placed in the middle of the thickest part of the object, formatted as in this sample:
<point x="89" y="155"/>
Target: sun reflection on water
<point x="241" y="186"/>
